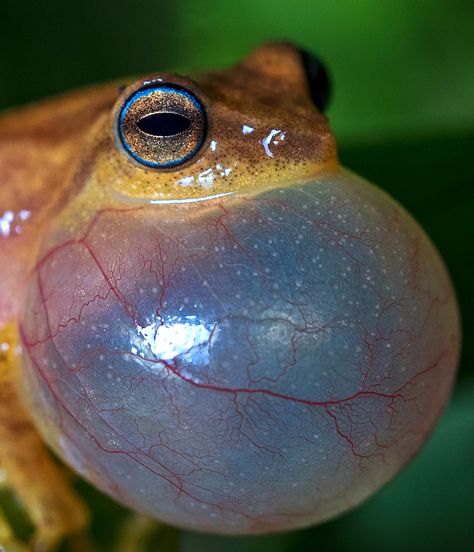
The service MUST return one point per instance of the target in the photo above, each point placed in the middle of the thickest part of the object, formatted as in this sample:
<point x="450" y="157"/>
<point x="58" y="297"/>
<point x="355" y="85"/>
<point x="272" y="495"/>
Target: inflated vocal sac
<point x="245" y="364"/>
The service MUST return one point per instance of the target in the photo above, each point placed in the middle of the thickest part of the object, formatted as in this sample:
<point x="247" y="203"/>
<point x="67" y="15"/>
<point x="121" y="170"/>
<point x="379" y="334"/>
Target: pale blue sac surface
<point x="246" y="364"/>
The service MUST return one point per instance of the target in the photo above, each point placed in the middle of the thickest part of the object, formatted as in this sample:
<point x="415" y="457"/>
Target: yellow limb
<point x="43" y="489"/>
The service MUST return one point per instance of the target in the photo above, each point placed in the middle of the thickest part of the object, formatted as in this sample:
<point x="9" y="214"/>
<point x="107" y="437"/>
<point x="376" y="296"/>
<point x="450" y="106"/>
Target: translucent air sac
<point x="246" y="364"/>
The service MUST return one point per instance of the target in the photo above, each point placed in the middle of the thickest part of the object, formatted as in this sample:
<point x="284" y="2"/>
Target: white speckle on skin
<point x="268" y="140"/>
<point x="186" y="181"/>
<point x="7" y="220"/>
<point x="206" y="178"/>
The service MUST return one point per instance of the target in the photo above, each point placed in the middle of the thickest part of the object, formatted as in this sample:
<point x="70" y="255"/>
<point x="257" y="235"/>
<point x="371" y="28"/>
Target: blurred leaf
<point x="192" y="542"/>
<point x="144" y="535"/>
<point x="15" y="515"/>
<point x="50" y="47"/>
<point x="398" y="67"/>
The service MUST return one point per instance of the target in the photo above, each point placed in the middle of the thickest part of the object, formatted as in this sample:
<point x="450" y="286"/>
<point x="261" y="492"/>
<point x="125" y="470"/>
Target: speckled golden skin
<point x="262" y="127"/>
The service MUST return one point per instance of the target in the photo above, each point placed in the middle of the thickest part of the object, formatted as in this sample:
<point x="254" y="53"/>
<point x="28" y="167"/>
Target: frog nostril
<point x="163" y="124"/>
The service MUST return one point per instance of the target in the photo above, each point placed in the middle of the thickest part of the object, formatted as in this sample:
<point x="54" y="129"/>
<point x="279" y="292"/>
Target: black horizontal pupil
<point x="163" y="124"/>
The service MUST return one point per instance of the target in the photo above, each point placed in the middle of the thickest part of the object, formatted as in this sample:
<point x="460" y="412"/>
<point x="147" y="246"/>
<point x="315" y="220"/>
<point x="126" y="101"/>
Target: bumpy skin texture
<point x="246" y="364"/>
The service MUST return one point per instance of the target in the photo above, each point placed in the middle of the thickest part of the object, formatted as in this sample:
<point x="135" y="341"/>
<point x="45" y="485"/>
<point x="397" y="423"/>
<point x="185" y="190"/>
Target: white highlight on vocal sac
<point x="177" y="337"/>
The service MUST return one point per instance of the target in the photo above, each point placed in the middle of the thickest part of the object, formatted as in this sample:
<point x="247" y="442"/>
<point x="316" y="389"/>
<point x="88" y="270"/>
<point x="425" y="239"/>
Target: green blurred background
<point x="403" y="113"/>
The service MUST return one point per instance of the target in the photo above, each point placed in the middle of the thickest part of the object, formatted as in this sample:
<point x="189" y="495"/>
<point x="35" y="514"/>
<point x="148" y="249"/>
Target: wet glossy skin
<point x="254" y="341"/>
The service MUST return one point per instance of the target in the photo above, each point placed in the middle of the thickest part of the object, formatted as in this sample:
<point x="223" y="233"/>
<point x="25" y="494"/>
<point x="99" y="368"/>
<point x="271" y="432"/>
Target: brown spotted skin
<point x="268" y="95"/>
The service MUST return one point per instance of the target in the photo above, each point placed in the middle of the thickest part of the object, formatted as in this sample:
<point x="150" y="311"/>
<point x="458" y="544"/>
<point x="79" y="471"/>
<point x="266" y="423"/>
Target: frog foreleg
<point x="136" y="533"/>
<point x="42" y="488"/>
<point x="8" y="541"/>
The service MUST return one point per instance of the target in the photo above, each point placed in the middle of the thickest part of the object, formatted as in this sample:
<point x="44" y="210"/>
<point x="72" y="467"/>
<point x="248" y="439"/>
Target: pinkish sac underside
<point x="246" y="364"/>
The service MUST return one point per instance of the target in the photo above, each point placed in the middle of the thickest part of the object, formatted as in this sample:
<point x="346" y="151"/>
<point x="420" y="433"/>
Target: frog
<point x="187" y="279"/>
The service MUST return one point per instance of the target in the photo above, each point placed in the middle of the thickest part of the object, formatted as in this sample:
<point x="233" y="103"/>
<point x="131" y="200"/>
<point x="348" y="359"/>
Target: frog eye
<point x="161" y="125"/>
<point x="318" y="79"/>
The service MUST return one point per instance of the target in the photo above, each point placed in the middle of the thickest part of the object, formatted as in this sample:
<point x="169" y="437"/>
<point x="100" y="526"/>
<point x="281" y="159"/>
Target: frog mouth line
<point x="255" y="189"/>
<point x="145" y="201"/>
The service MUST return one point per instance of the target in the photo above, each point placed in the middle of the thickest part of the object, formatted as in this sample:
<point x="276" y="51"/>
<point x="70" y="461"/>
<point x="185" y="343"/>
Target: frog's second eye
<point x="161" y="125"/>
<point x="319" y="82"/>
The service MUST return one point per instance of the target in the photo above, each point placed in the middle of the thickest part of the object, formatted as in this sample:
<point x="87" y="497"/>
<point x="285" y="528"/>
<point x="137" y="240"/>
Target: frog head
<point x="253" y="126"/>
